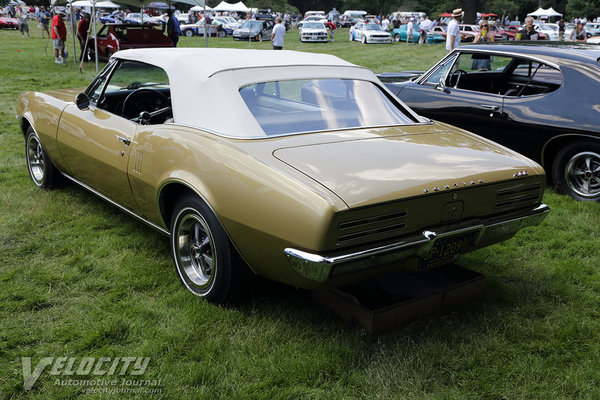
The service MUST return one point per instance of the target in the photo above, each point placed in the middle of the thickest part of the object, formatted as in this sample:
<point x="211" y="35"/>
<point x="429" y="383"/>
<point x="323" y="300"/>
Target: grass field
<point x="80" y="279"/>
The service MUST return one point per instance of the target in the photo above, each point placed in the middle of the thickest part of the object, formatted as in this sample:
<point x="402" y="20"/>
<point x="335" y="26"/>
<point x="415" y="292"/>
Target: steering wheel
<point x="144" y="99"/>
<point x="459" y="73"/>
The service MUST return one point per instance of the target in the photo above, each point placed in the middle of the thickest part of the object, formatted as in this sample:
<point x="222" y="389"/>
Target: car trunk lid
<point x="380" y="169"/>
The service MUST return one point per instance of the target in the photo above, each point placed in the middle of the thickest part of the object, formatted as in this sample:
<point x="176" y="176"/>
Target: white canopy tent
<point x="107" y="4"/>
<point x="543" y="13"/>
<point x="237" y="7"/>
<point x="200" y="8"/>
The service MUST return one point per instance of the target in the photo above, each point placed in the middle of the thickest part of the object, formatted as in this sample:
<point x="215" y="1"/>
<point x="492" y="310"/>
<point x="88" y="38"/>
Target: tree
<point x="582" y="8"/>
<point x="471" y="9"/>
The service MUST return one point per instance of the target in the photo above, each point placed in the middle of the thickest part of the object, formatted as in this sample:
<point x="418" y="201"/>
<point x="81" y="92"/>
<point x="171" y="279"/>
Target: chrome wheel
<point x="35" y="160"/>
<point x="41" y="170"/>
<point x="582" y="174"/>
<point x="196" y="251"/>
<point x="201" y="250"/>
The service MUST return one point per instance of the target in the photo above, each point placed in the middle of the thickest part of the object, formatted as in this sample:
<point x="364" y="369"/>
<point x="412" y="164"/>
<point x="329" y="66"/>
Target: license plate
<point x="443" y="251"/>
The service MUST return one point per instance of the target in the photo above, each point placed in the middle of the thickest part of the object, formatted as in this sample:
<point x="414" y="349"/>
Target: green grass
<point x="79" y="278"/>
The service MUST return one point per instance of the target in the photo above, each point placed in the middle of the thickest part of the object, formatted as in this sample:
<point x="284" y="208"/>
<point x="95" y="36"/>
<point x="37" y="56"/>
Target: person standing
<point x="453" y="31"/>
<point x="45" y="21"/>
<point x="278" y="35"/>
<point x="82" y="34"/>
<point x="59" y="35"/>
<point x="173" y="30"/>
<point x="332" y="27"/>
<point x="527" y="33"/>
<point x="409" y="32"/>
<point x="23" y="23"/>
<point x="484" y="62"/>
<point x="561" y="29"/>
<point x="385" y="24"/>
<point x="578" y="34"/>
<point x="424" y="27"/>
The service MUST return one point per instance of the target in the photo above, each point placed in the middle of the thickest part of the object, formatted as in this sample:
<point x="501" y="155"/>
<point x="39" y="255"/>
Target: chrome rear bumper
<point x="318" y="268"/>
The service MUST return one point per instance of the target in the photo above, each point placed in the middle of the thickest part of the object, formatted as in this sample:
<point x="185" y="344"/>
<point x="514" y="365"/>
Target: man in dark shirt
<point x="527" y="33"/>
<point x="561" y="29"/>
<point x="173" y="30"/>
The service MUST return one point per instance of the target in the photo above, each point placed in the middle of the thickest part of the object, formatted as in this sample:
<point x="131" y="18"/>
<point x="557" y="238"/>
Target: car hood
<point x="384" y="168"/>
<point x="313" y="30"/>
<point x="376" y="32"/>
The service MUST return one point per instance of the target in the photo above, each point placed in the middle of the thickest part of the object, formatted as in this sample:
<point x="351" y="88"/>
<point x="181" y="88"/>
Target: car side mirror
<point x="441" y="86"/>
<point x="82" y="101"/>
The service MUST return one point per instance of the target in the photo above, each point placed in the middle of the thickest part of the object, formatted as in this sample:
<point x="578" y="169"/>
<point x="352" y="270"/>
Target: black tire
<point x="504" y="36"/>
<point x="222" y="34"/>
<point x="41" y="169"/>
<point x="188" y="33"/>
<point x="201" y="250"/>
<point x="397" y="37"/>
<point x="364" y="40"/>
<point x="576" y="171"/>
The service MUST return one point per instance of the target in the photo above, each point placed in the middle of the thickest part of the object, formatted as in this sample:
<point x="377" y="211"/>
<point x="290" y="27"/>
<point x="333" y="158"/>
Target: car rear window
<point x="297" y="106"/>
<point x="539" y="71"/>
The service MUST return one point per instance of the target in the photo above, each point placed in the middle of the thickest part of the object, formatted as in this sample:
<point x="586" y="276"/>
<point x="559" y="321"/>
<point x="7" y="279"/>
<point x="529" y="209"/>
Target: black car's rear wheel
<point x="576" y="171"/>
<point x="41" y="170"/>
<point x="201" y="250"/>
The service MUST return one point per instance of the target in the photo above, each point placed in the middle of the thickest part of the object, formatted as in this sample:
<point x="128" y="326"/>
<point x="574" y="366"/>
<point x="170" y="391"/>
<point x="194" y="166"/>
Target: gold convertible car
<point x="302" y="166"/>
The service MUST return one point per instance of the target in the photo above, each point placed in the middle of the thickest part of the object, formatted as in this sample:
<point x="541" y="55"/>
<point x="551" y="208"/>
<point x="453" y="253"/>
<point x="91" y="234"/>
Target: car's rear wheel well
<point x="552" y="148"/>
<point x="167" y="198"/>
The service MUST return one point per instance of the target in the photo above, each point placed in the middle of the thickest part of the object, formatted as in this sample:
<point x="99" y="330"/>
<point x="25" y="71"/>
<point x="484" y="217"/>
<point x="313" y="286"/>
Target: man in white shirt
<point x="424" y="27"/>
<point x="385" y="24"/>
<point x="278" y="35"/>
<point x="409" y="32"/>
<point x="453" y="32"/>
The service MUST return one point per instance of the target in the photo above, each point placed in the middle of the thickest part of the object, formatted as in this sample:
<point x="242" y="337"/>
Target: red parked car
<point x="115" y="37"/>
<point x="9" y="23"/>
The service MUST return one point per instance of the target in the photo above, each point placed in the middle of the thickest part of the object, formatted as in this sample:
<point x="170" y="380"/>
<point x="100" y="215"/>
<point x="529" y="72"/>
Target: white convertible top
<point x="205" y="83"/>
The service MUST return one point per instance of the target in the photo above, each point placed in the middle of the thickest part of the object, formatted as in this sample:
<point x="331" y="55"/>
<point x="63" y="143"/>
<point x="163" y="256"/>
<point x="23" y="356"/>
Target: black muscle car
<point x="542" y="101"/>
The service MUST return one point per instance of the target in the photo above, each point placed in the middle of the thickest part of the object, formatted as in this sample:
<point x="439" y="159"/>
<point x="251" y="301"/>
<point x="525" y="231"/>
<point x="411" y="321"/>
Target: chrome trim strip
<point x="103" y="197"/>
<point x="424" y="121"/>
<point x="319" y="268"/>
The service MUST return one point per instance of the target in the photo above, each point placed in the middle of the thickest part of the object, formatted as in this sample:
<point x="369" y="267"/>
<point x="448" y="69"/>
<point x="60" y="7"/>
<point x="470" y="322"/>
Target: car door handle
<point x="489" y="107"/>
<point x="125" y="140"/>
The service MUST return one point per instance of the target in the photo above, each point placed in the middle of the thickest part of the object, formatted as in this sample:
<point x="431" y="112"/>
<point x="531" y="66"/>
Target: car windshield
<point x="372" y="27"/>
<point x="297" y="106"/>
<point x="314" y="25"/>
<point x="252" y="24"/>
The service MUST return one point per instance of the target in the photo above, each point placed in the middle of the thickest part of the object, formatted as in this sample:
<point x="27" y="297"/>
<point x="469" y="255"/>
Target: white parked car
<point x="313" y="32"/>
<point x="314" y="18"/>
<point x="369" y="33"/>
<point x="550" y="30"/>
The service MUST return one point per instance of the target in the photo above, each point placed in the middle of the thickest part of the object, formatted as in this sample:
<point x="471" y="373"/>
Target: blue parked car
<point x="399" y="35"/>
<point x="111" y="18"/>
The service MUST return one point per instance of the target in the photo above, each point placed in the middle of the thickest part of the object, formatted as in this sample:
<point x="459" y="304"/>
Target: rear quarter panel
<point x="264" y="206"/>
